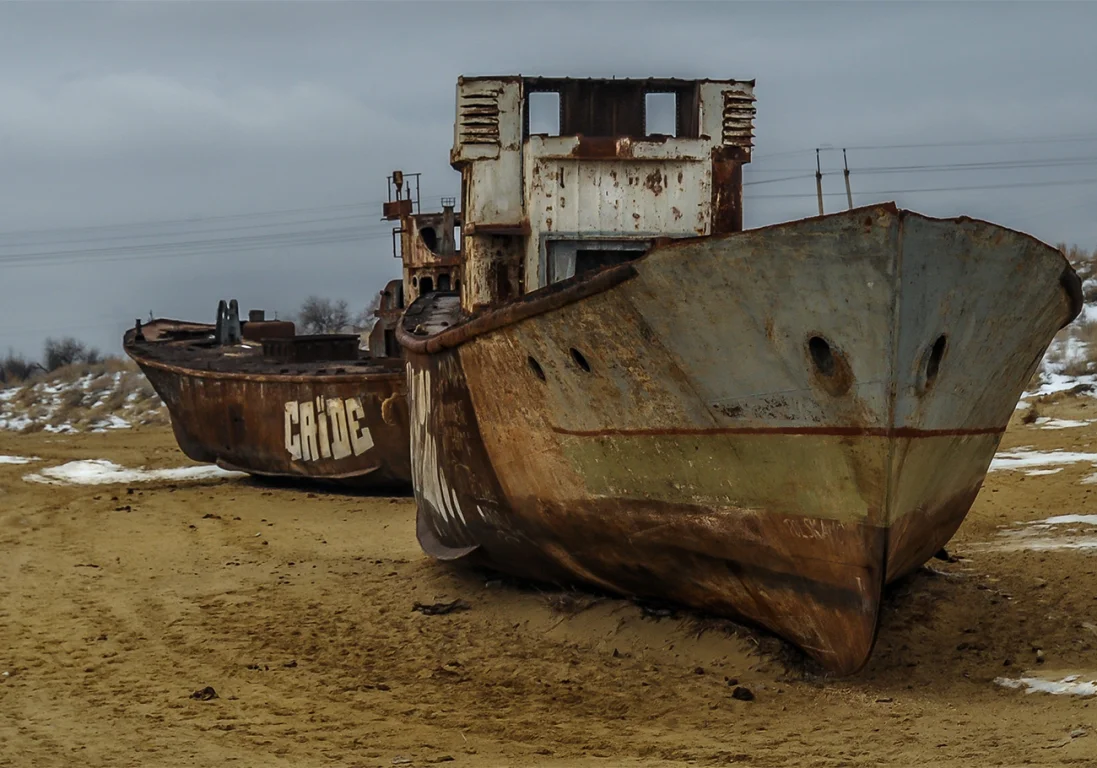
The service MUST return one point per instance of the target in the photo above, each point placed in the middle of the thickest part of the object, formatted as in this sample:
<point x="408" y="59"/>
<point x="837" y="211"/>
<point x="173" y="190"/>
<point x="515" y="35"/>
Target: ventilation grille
<point x="738" y="119"/>
<point x="480" y="118"/>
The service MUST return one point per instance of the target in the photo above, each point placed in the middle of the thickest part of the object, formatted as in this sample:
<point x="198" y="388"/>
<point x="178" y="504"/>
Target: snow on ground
<point x="1045" y="422"/>
<point x="1061" y="532"/>
<point x="92" y="398"/>
<point x="1023" y="458"/>
<point x="1071" y="359"/>
<point x="1051" y="382"/>
<point x="103" y="472"/>
<point x="1072" y="685"/>
<point x="113" y="421"/>
<point x="18" y="459"/>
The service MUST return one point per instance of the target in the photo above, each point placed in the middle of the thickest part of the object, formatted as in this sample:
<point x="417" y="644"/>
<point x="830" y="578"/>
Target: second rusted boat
<point x="263" y="400"/>
<point x="254" y="396"/>
<point x="768" y="424"/>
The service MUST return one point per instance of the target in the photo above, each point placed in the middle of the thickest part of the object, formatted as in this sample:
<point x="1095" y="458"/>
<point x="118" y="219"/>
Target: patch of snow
<point x="1024" y="542"/>
<point x="1056" y="382"/>
<point x="1090" y="480"/>
<point x="18" y="459"/>
<point x="8" y="394"/>
<point x="103" y="472"/>
<point x="1045" y="422"/>
<point x="63" y="429"/>
<point x="1065" y="519"/>
<point x="1088" y="315"/>
<point x="1071" y="685"/>
<point x="16" y="423"/>
<point x="1043" y="535"/>
<point x="1037" y="472"/>
<point x="111" y="422"/>
<point x="1022" y="459"/>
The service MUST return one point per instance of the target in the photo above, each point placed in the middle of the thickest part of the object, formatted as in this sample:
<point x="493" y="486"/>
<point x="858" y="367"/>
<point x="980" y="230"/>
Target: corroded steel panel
<point x="768" y="448"/>
<point x="602" y="179"/>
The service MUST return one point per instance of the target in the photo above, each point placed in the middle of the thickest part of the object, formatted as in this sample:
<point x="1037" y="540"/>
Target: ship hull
<point x="346" y="428"/>
<point x="769" y="425"/>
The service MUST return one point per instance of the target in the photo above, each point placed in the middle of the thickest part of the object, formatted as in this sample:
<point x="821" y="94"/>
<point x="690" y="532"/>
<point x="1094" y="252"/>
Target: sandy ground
<point x="117" y="603"/>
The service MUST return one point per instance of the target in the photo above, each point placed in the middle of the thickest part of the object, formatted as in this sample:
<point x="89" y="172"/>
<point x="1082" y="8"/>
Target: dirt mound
<point x="82" y="398"/>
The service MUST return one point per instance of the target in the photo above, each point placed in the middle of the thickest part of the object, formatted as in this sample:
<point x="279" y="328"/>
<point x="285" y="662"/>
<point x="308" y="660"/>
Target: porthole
<point x="821" y="355"/>
<point x="832" y="370"/>
<point x="536" y="368"/>
<point x="933" y="364"/>
<point x="580" y="361"/>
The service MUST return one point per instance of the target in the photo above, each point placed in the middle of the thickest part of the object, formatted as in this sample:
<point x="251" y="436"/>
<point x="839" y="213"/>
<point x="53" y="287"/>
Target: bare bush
<point x="1031" y="414"/>
<point x="1085" y="264"/>
<point x="363" y="322"/>
<point x="67" y="351"/>
<point x="16" y="368"/>
<point x="319" y="315"/>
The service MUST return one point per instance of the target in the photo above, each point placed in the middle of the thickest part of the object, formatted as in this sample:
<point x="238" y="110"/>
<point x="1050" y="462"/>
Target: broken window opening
<point x="567" y="258"/>
<point x="443" y="281"/>
<point x="426" y="285"/>
<point x="430" y="237"/>
<point x="543" y="110"/>
<point x="661" y="114"/>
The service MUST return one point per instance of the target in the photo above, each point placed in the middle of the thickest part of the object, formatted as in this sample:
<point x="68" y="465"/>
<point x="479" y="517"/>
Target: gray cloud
<point x="122" y="113"/>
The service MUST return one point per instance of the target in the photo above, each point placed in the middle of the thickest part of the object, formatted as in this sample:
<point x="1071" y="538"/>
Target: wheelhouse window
<point x="661" y="114"/>
<point x="544" y="113"/>
<point x="567" y="258"/>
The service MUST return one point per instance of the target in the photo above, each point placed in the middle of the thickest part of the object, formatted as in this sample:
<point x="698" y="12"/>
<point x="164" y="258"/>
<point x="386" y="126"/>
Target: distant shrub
<point x="66" y="351"/>
<point x="16" y="368"/>
<point x="318" y="315"/>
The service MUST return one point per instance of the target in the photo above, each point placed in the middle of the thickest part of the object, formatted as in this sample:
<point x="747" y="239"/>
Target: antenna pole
<point x="819" y="181"/>
<point x="849" y="193"/>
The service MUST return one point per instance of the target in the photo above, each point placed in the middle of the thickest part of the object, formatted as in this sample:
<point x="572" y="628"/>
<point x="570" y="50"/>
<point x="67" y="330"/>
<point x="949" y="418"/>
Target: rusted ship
<point x="253" y="395"/>
<point x="629" y="391"/>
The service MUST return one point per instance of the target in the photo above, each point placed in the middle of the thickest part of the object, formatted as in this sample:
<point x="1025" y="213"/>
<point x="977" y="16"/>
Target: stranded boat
<point x="631" y="392"/>
<point x="255" y="396"/>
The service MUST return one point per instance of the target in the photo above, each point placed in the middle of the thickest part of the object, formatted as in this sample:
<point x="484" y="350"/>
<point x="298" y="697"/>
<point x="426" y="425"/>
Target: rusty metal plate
<point x="338" y="421"/>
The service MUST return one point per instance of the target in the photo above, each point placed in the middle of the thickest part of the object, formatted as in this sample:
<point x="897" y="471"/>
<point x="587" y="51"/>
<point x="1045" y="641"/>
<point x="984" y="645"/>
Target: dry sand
<point x="295" y="606"/>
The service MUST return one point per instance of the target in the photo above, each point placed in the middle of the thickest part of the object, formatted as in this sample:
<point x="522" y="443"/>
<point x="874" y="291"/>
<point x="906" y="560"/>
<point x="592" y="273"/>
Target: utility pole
<point x="849" y="194"/>
<point x="819" y="181"/>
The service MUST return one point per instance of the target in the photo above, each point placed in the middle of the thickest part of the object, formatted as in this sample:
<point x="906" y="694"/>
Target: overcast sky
<point x="160" y="156"/>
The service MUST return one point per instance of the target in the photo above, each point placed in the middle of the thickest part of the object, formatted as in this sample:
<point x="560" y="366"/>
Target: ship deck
<point x="191" y="345"/>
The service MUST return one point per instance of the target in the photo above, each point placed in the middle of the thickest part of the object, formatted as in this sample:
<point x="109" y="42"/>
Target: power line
<point x="1075" y="182"/>
<point x="774" y="181"/>
<point x="191" y="220"/>
<point x="364" y="206"/>
<point x="348" y="235"/>
<point x="829" y="147"/>
<point x="1049" y="162"/>
<point x="120" y="238"/>
<point x="1069" y="138"/>
<point x="189" y="244"/>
